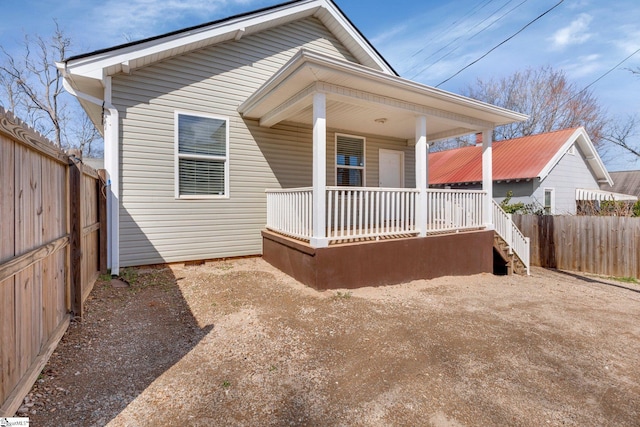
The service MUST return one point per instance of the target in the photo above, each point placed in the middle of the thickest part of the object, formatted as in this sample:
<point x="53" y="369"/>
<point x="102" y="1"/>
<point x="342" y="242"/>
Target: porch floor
<point x="354" y="263"/>
<point x="385" y="237"/>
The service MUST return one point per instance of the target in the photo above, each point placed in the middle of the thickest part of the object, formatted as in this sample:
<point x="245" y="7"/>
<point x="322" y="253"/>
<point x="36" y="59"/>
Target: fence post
<point x="102" y="217"/>
<point x="75" y="216"/>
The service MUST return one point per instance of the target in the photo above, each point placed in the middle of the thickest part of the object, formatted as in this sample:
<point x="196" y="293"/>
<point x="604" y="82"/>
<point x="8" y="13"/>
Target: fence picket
<point x="600" y="245"/>
<point x="35" y="270"/>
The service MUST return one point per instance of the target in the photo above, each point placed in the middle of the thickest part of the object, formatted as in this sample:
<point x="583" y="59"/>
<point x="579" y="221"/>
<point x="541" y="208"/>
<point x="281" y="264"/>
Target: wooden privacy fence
<point x="52" y="241"/>
<point x="605" y="245"/>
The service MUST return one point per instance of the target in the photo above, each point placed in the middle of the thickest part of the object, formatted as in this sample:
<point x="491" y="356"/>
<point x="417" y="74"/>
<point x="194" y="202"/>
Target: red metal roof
<point x="519" y="158"/>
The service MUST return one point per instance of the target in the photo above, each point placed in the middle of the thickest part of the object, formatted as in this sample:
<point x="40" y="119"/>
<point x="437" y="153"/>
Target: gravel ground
<point x="239" y="343"/>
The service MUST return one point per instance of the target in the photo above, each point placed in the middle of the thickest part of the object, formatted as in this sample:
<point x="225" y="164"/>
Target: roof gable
<point x="287" y="95"/>
<point x="522" y="158"/>
<point x="127" y="57"/>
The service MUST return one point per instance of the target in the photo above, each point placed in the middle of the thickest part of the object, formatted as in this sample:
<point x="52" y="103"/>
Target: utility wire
<point x="453" y="24"/>
<point x="600" y="78"/>
<point x="501" y="43"/>
<point x="470" y="38"/>
<point x="454" y="41"/>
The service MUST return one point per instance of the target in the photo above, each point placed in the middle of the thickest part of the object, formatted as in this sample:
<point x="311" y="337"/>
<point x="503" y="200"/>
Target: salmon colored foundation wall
<point x="383" y="262"/>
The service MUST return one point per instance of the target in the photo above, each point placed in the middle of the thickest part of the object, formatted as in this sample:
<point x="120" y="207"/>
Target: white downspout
<point x="111" y="148"/>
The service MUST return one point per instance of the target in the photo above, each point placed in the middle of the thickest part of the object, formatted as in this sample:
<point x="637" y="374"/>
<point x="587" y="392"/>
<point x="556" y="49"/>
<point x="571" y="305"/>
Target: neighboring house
<point x="94" y="162"/>
<point x="551" y="171"/>
<point x="272" y="118"/>
<point x="625" y="182"/>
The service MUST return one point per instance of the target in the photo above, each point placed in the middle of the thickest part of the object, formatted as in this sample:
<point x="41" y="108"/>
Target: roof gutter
<point x="111" y="154"/>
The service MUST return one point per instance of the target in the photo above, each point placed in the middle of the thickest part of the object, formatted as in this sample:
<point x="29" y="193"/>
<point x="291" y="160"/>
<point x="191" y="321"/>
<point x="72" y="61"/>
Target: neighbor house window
<point x="202" y="160"/>
<point x="349" y="160"/>
<point x="548" y="201"/>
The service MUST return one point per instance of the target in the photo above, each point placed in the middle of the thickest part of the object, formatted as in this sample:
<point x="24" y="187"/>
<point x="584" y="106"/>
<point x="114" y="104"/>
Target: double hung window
<point x="350" y="157"/>
<point x="549" y="201"/>
<point x="202" y="156"/>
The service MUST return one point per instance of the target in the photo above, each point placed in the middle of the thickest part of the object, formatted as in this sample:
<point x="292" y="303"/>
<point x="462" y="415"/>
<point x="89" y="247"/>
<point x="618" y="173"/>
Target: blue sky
<point x="427" y="41"/>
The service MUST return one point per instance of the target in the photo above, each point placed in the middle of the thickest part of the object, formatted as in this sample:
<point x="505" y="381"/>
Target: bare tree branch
<point x="623" y="132"/>
<point x="550" y="100"/>
<point x="33" y="88"/>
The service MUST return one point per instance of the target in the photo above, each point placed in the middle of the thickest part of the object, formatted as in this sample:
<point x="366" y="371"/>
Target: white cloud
<point x="392" y="33"/>
<point x="630" y="41"/>
<point x="574" y="33"/>
<point x="583" y="66"/>
<point x="135" y="19"/>
<point x="578" y="5"/>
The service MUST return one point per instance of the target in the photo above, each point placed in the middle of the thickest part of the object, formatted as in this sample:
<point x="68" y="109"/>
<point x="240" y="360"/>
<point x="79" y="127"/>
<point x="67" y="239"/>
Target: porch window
<point x="350" y="160"/>
<point x="202" y="164"/>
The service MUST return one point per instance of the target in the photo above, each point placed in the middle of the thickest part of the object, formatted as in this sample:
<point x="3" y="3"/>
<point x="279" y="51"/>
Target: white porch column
<point x="487" y="177"/>
<point x="422" y="174"/>
<point x="319" y="211"/>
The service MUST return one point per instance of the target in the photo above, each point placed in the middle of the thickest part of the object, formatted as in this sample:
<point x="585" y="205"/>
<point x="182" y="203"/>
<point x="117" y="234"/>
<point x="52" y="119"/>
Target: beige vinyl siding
<point x="156" y="227"/>
<point x="373" y="145"/>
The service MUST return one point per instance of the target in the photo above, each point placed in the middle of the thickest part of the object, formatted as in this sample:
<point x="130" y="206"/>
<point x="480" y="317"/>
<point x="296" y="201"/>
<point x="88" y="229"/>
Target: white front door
<point x="391" y="168"/>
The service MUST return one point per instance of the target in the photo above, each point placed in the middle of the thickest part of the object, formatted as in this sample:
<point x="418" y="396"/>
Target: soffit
<point x="357" y="97"/>
<point x="128" y="57"/>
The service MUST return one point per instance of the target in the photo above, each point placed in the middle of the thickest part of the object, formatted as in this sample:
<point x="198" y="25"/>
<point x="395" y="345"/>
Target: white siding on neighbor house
<point x="154" y="226"/>
<point x="571" y="172"/>
<point x="521" y="190"/>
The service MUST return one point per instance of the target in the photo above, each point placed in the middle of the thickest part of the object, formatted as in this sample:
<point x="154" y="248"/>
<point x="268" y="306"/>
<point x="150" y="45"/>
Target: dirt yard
<point x="238" y="343"/>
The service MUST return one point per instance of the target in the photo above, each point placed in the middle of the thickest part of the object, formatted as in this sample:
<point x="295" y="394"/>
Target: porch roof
<point x="361" y="99"/>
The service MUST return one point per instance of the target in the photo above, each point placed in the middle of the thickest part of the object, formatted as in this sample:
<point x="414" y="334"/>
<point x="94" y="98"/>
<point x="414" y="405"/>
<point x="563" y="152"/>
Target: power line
<point x="470" y="38"/>
<point x="501" y="43"/>
<point x="469" y="13"/>
<point x="452" y="42"/>
<point x="601" y="77"/>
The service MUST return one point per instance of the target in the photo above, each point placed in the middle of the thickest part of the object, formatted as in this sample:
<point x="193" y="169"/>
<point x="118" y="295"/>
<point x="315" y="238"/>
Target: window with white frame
<point x="549" y="201"/>
<point x="202" y="162"/>
<point x="350" y="153"/>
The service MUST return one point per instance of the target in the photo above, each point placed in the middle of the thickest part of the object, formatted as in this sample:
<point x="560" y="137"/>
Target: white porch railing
<point x="452" y="210"/>
<point x="365" y="212"/>
<point x="289" y="212"/>
<point x="517" y="242"/>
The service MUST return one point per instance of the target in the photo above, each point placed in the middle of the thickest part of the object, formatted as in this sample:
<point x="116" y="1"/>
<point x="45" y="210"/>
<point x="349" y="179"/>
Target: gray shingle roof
<point x="625" y="182"/>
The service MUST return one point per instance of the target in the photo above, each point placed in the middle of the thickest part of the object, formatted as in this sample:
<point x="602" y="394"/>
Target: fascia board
<point x="93" y="65"/>
<point x="304" y="57"/>
<point x="593" y="160"/>
<point x="507" y="116"/>
<point x="353" y="32"/>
